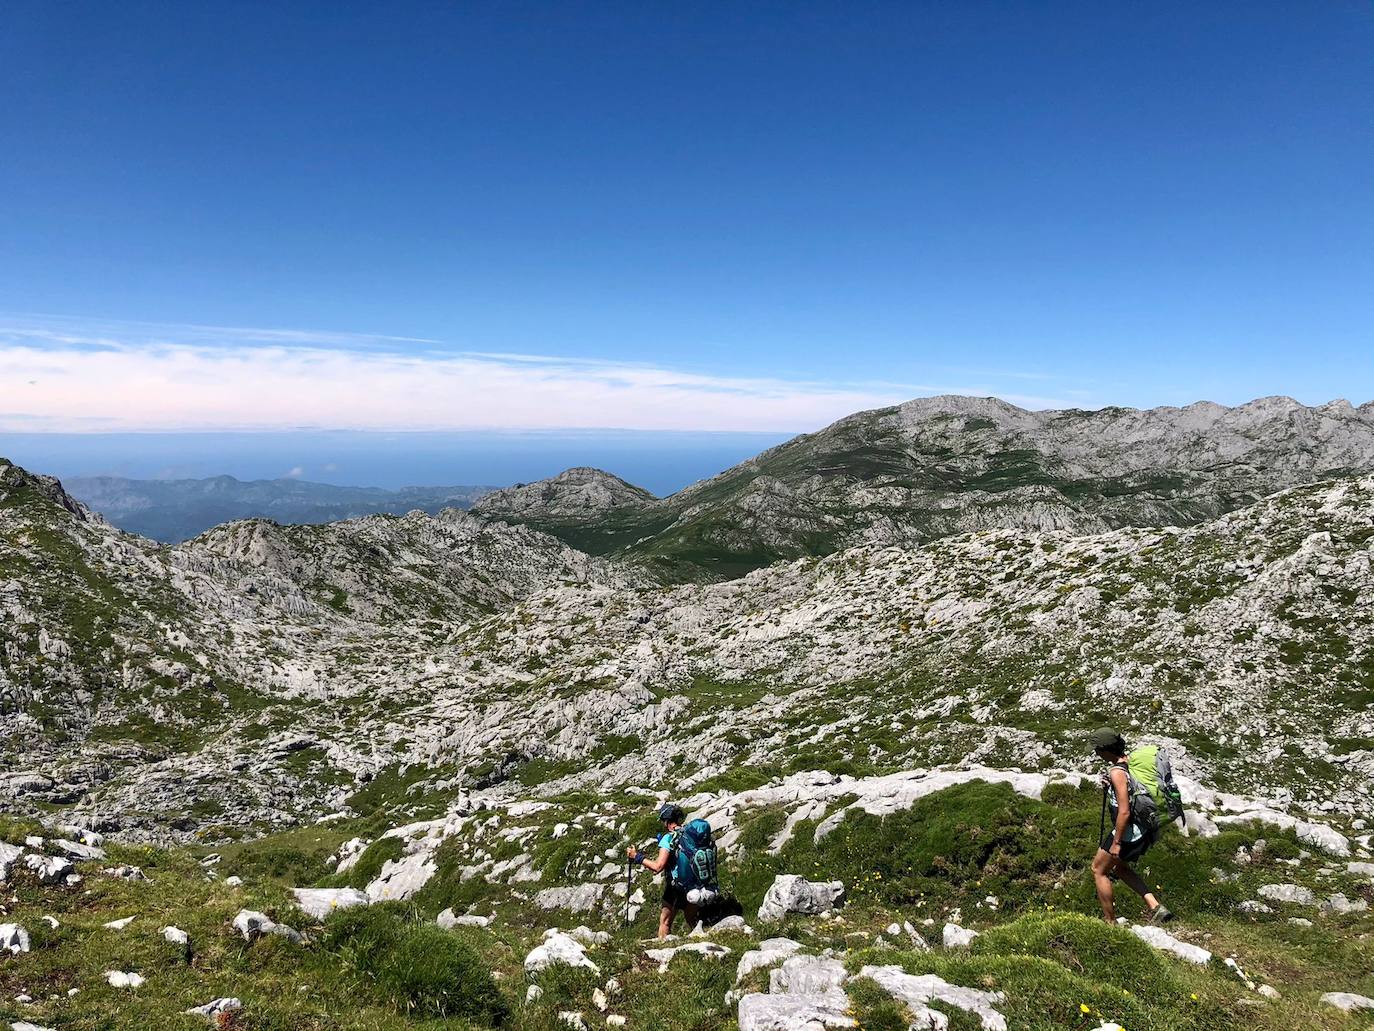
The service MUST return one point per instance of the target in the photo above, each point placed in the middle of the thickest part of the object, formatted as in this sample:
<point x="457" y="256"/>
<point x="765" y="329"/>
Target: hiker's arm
<point x="657" y="864"/>
<point x="654" y="865"/>
<point x="1123" y="809"/>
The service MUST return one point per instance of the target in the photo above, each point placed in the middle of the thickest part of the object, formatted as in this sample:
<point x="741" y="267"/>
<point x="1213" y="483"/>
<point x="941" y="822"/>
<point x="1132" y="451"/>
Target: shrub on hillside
<point x="416" y="968"/>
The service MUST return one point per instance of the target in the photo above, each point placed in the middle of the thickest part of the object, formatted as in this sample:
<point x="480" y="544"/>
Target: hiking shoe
<point x="1161" y="915"/>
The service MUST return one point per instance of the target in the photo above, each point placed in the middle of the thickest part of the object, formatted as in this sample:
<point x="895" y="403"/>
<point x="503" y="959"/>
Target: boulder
<point x="955" y="937"/>
<point x="1161" y="939"/>
<point x="806" y="975"/>
<point x="1339" y="905"/>
<point x="1347" y="1001"/>
<point x="792" y="893"/>
<point x="664" y="956"/>
<point x="320" y="902"/>
<point x="917" y="991"/>
<point x="9" y="856"/>
<point x="176" y="936"/>
<point x="215" y="1009"/>
<point x="1294" y="893"/>
<point x="580" y="898"/>
<point x="815" y="1012"/>
<point x="13" y="938"/>
<point x="48" y="869"/>
<point x="729" y="923"/>
<point x="77" y="851"/>
<point x="252" y="924"/>
<point x="125" y="873"/>
<point x="558" y="949"/>
<point x="770" y="951"/>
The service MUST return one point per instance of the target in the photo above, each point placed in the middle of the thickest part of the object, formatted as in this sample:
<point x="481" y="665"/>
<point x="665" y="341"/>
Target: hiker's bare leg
<point x="690" y="912"/>
<point x="1132" y="880"/>
<point x="1102" y="864"/>
<point x="665" y="920"/>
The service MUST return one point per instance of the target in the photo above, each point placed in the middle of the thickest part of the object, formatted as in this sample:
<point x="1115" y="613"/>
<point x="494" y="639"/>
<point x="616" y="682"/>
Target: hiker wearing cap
<point x="1135" y="827"/>
<point x="687" y="859"/>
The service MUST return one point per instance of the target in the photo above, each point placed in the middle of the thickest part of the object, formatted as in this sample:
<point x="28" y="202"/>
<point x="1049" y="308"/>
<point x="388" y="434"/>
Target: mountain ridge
<point x="947" y="464"/>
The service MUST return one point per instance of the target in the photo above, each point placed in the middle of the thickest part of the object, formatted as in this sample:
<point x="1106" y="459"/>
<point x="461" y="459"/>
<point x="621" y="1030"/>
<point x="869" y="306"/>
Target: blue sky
<point x="751" y="217"/>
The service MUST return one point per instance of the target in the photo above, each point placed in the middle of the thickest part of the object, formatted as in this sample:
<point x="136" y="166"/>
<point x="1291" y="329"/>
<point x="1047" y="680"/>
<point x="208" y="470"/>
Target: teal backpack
<point x="696" y="857"/>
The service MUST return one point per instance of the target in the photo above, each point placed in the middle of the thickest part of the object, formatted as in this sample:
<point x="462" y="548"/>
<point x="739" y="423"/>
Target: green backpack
<point x="1150" y="766"/>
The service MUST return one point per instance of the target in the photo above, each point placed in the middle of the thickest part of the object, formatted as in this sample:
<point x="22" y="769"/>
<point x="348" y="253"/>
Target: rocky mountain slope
<point x="390" y="764"/>
<point x="260" y="674"/>
<point x="172" y="511"/>
<point x="938" y="466"/>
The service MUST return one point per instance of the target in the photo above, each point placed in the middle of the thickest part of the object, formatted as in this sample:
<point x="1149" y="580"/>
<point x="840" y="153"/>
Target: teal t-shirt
<point x="667" y="840"/>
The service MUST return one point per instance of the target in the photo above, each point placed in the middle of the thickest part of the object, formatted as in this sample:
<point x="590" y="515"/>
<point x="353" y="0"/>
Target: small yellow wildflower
<point x="1083" y="1007"/>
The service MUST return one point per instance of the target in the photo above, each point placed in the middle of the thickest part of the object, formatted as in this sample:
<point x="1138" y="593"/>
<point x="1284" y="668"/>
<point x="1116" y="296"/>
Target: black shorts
<point x="674" y="897"/>
<point x="1130" y="850"/>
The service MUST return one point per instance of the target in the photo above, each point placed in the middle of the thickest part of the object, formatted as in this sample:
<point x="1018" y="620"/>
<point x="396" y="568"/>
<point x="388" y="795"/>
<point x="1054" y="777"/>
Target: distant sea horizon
<point x="661" y="461"/>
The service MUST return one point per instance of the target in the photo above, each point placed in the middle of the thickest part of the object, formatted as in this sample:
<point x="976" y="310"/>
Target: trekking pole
<point x="629" y="883"/>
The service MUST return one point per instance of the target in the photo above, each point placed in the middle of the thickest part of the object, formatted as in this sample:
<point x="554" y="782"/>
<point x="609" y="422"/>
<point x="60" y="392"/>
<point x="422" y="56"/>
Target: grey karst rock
<point x="581" y="898"/>
<point x="769" y="952"/>
<point x="9" y="856"/>
<point x="1347" y="1001"/>
<point x="320" y="902"/>
<point x="1364" y="869"/>
<point x="1291" y="893"/>
<point x="125" y="873"/>
<point x="587" y="936"/>
<point x="48" y="869"/>
<point x="13" y="938"/>
<point x="574" y="1020"/>
<point x="215" y="1009"/>
<point x="120" y="924"/>
<point x="78" y="851"/>
<point x="176" y="936"/>
<point x="918" y="991"/>
<point x="557" y="949"/>
<point x="729" y="924"/>
<point x="792" y="893"/>
<point x="1254" y="906"/>
<point x="707" y="950"/>
<point x="252" y="924"/>
<point x="124" y="979"/>
<point x="1339" y="905"/>
<point x="806" y="975"/>
<point x="24" y="1025"/>
<point x="402" y="878"/>
<point x="816" y="1012"/>
<point x="952" y="936"/>
<point x="1161" y="939"/>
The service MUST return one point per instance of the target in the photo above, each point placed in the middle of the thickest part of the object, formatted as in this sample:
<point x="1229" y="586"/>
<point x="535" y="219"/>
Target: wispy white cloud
<point x="68" y="375"/>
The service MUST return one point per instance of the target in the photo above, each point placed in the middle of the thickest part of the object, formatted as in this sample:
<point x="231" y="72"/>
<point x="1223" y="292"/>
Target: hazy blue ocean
<point x="657" y="460"/>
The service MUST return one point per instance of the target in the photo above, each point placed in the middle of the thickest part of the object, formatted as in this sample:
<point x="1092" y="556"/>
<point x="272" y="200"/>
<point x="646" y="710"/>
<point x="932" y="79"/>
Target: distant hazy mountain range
<point x="176" y="510"/>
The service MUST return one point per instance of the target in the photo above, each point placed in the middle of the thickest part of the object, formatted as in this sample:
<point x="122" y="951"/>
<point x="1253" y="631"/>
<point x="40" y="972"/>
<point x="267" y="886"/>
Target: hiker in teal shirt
<point x="674" y="895"/>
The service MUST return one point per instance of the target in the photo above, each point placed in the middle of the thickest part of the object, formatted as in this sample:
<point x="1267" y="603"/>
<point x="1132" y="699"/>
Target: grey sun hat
<point x="1105" y="739"/>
